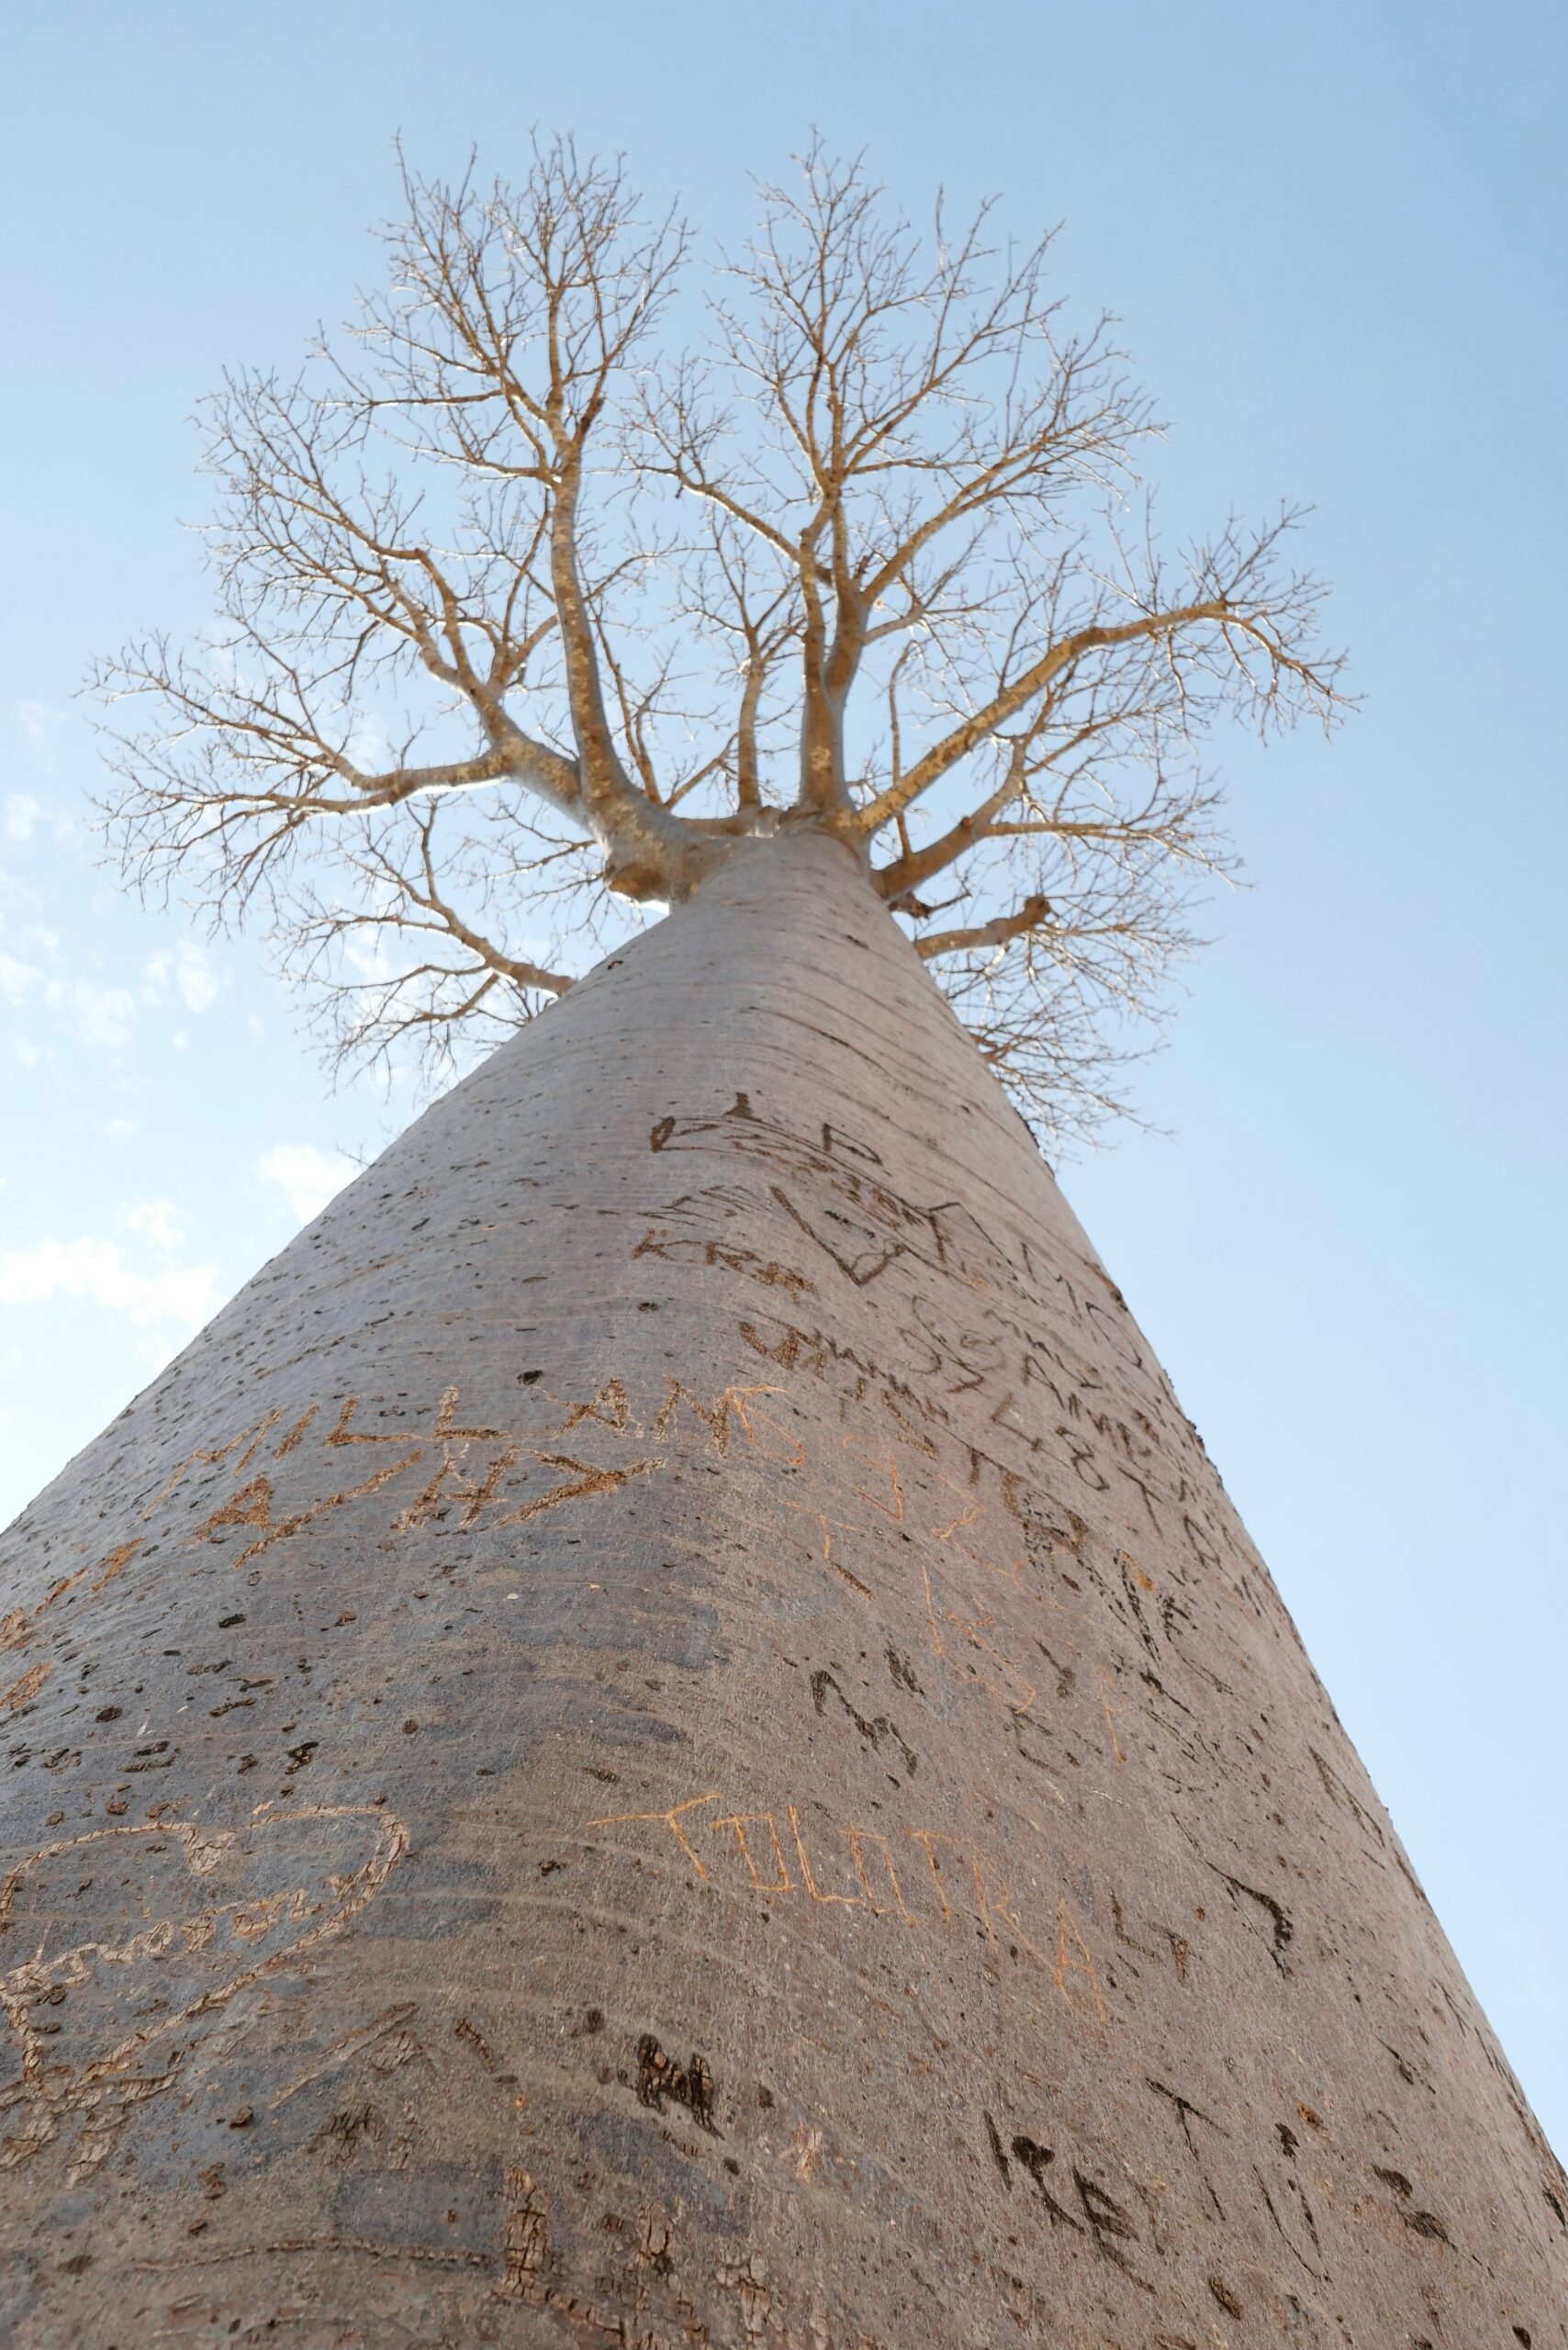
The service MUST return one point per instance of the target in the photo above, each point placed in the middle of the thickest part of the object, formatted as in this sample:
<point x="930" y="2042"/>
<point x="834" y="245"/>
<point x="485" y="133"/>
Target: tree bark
<point x="664" y="1736"/>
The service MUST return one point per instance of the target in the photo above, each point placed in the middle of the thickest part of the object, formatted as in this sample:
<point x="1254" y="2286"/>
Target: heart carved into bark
<point x="116" y="1943"/>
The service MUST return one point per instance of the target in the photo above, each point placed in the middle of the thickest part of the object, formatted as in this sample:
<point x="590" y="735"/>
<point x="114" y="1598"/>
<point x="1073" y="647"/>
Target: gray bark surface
<point x="664" y="1736"/>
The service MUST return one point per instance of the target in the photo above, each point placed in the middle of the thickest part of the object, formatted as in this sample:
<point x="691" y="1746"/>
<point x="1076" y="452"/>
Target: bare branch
<point x="519" y="605"/>
<point x="1000" y="932"/>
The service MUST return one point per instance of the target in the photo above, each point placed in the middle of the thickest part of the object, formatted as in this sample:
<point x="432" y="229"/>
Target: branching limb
<point x="519" y="606"/>
<point x="1030" y="915"/>
<point x="429" y="900"/>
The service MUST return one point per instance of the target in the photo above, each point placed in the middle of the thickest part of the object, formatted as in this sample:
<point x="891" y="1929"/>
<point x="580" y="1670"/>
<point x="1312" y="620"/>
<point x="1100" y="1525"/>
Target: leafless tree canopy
<point x="527" y="610"/>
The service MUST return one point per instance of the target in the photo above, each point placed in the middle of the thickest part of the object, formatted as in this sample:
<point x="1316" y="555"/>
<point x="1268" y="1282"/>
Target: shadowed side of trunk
<point x="664" y="1735"/>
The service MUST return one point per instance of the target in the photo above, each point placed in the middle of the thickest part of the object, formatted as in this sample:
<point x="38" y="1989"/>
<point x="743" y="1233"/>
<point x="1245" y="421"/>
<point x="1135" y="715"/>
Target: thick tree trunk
<point x="664" y="1736"/>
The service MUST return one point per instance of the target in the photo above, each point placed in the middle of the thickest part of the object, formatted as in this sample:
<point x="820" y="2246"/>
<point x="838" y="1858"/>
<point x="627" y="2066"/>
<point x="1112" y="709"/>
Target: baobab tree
<point x="663" y="1735"/>
<point x="524" y="606"/>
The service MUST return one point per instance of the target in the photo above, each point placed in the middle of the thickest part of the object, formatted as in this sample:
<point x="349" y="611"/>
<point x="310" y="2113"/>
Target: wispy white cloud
<point x="94" y="1014"/>
<point x="17" y="978"/>
<point x="159" y="1220"/>
<point x="40" y="724"/>
<point x="308" y="1176"/>
<point x="99" y="1015"/>
<point x="189" y="970"/>
<point x="24" y="815"/>
<point x="98" y="1271"/>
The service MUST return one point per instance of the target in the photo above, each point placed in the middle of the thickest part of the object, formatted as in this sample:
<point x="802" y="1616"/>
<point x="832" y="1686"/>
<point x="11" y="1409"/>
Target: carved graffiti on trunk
<point x="871" y="1871"/>
<point x="203" y="1915"/>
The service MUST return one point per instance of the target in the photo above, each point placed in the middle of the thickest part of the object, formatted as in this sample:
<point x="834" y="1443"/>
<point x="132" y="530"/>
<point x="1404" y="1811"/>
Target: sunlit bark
<point x="664" y="1737"/>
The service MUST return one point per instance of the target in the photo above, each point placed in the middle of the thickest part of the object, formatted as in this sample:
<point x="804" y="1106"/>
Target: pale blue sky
<point x="1336" y="237"/>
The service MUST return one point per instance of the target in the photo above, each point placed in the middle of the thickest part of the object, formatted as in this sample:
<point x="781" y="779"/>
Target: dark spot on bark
<point x="1406" y="2070"/>
<point x="1108" y="2224"/>
<point x="80" y="2262"/>
<point x="1225" y="2297"/>
<point x="1427" y="2223"/>
<point x="109" y="1713"/>
<point x="528" y="1378"/>
<point x="661" y="1133"/>
<point x="875" y="1732"/>
<point x="1394" y="2179"/>
<point x="338" y="2139"/>
<point x="225" y="1622"/>
<point x="660" y="2076"/>
<point x="1034" y="2159"/>
<point x="1278" y="1919"/>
